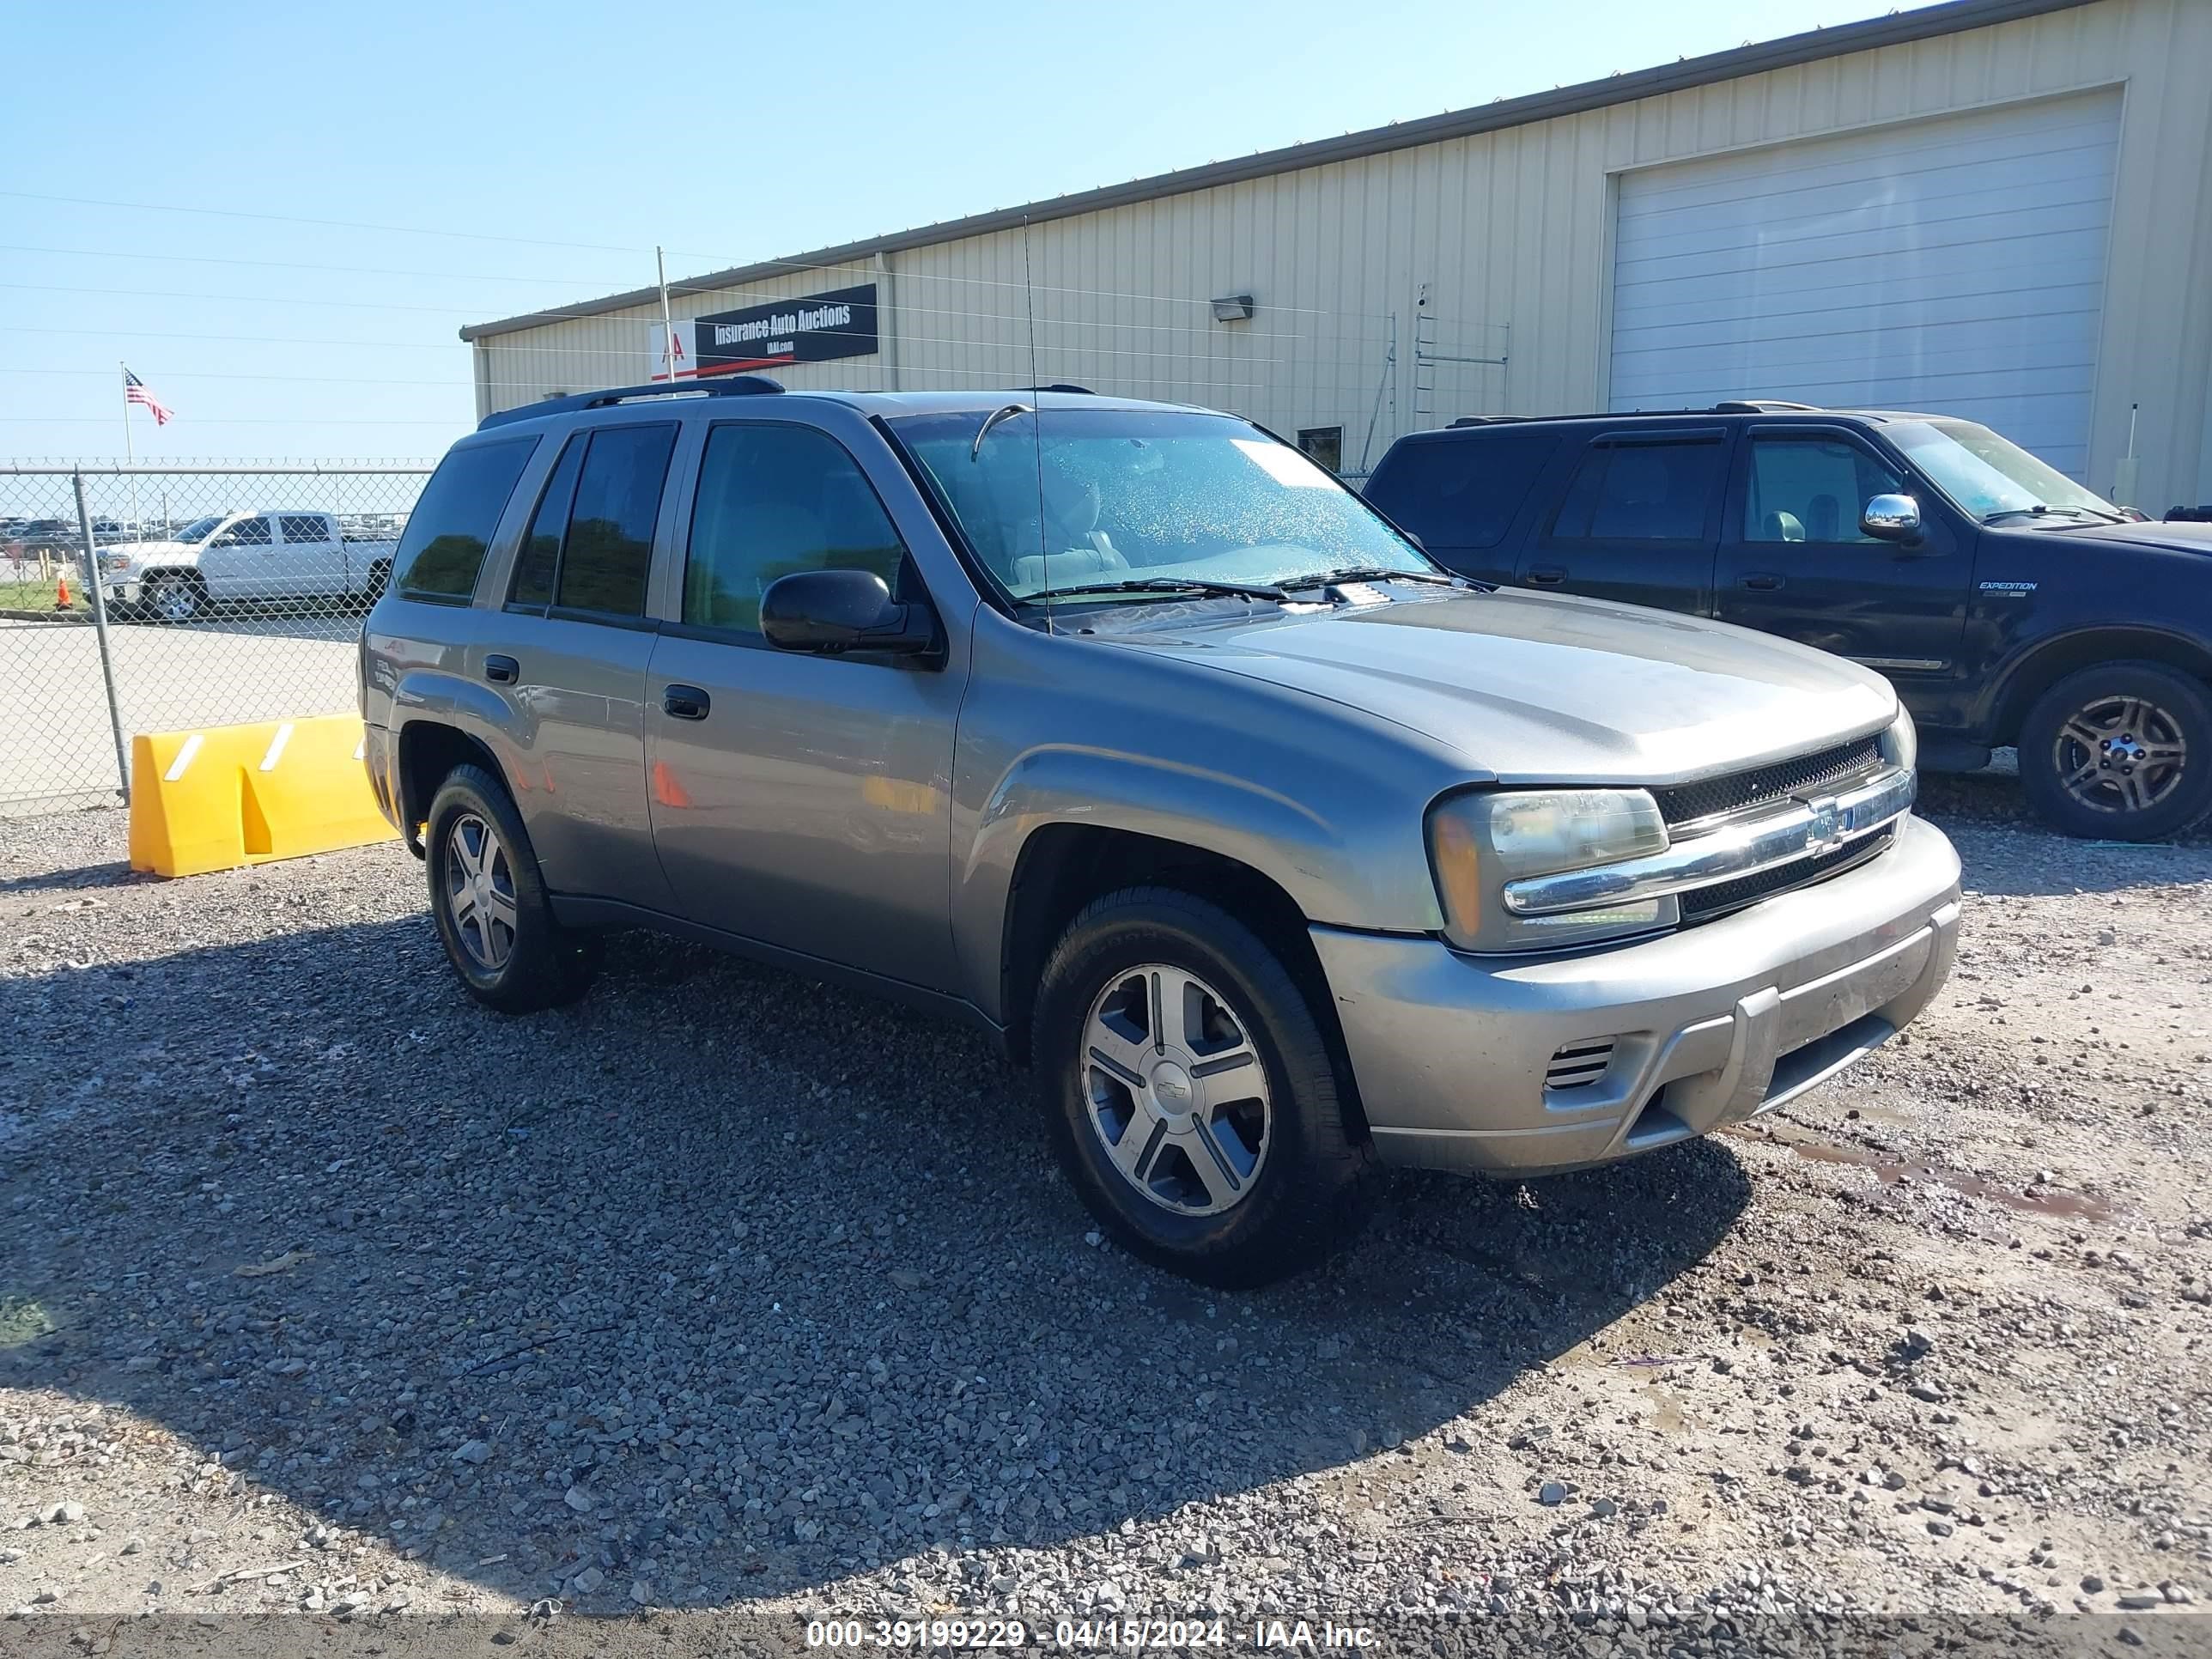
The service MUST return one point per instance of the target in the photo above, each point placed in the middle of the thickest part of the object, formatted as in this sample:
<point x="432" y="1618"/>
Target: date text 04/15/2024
<point x="1090" y="1635"/>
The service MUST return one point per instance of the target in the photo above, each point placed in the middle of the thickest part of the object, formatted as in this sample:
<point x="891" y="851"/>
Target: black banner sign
<point x="815" y="330"/>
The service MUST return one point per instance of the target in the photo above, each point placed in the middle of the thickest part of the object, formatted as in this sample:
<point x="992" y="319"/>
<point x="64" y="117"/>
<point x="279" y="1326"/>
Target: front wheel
<point x="489" y="903"/>
<point x="1190" y="1091"/>
<point x="2122" y="750"/>
<point x="175" y="599"/>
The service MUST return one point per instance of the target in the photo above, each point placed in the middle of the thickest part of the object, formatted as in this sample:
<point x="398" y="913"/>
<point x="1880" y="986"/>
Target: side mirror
<point x="1892" y="518"/>
<point x="830" y="612"/>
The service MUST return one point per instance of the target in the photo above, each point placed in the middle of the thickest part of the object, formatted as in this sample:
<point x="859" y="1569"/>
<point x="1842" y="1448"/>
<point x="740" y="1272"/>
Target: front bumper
<point x="1710" y="1026"/>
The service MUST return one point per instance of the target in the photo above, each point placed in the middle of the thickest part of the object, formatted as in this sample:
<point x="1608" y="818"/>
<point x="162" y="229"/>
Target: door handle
<point x="1548" y="574"/>
<point x="501" y="669"/>
<point x="686" y="702"/>
<point x="1762" y="578"/>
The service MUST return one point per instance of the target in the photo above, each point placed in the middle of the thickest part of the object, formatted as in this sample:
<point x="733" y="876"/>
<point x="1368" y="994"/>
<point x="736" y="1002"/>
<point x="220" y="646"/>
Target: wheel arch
<point x="2053" y="659"/>
<point x="429" y="750"/>
<point x="1064" y="866"/>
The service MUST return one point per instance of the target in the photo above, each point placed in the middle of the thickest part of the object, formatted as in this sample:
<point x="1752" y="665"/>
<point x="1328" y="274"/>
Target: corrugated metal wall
<point x="1376" y="278"/>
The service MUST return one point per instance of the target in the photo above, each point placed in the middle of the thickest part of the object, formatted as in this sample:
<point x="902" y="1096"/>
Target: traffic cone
<point x="61" y="593"/>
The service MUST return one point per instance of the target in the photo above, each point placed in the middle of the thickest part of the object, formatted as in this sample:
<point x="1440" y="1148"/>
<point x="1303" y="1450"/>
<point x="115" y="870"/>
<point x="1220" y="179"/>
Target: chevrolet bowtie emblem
<point x="1827" y="828"/>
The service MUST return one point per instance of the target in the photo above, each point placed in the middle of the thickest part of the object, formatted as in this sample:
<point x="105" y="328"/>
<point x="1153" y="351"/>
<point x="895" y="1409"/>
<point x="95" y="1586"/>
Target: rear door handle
<point x="501" y="669"/>
<point x="1762" y="578"/>
<point x="686" y="702"/>
<point x="1548" y="574"/>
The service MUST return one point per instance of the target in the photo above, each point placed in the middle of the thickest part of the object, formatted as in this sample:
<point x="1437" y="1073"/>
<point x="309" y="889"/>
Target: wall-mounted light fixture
<point x="1233" y="308"/>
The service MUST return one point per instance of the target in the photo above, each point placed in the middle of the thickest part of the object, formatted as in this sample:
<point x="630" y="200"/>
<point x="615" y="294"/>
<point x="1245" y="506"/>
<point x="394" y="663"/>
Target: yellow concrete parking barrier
<point x="233" y="795"/>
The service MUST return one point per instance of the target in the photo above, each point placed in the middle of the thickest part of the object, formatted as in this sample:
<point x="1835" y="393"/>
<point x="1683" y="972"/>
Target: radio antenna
<point x="1036" y="429"/>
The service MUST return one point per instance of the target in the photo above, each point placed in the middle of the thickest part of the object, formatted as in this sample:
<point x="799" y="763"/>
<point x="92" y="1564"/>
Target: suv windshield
<point x="1127" y="496"/>
<point x="1989" y="476"/>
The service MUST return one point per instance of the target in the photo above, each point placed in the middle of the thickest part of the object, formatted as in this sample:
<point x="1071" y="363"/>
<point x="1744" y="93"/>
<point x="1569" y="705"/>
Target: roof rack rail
<point x="1733" y="406"/>
<point x="734" y="385"/>
<point x="1059" y="385"/>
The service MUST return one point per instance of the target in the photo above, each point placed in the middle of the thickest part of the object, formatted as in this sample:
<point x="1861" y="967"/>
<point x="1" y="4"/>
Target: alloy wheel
<point x="1177" y="1094"/>
<point x="2120" y="754"/>
<point x="480" y="892"/>
<point x="175" y="602"/>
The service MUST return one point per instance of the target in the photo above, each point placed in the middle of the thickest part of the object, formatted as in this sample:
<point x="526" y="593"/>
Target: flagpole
<point x="129" y="459"/>
<point x="667" y="328"/>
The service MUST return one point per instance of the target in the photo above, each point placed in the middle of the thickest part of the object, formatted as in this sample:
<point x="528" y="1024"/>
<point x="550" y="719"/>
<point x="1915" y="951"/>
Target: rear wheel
<point x="490" y="905"/>
<point x="2121" y="749"/>
<point x="1190" y="1091"/>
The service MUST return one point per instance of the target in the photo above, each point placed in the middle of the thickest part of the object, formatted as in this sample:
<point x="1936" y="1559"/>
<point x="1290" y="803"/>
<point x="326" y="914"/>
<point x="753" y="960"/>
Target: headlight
<point x="1900" y="744"/>
<point x="1479" y="841"/>
<point x="115" y="562"/>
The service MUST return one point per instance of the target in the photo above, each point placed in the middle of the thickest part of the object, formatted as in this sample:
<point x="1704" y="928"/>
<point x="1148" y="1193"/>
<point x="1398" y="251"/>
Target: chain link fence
<point x="155" y="598"/>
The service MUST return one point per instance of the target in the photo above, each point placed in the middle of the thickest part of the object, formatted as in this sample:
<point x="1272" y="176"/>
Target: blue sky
<point x="385" y="174"/>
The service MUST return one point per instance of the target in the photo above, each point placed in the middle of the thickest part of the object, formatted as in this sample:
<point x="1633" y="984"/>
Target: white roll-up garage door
<point x="1953" y="266"/>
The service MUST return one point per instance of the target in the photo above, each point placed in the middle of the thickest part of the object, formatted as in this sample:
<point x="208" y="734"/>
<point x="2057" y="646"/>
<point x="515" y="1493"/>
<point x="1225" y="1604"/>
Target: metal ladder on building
<point x="1426" y="356"/>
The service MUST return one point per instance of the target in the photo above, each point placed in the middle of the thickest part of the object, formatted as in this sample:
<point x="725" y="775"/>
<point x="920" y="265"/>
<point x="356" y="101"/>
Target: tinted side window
<point x="304" y="527"/>
<point x="608" y="551"/>
<point x="246" y="532"/>
<point x="532" y="587"/>
<point x="443" y="547"/>
<point x="773" y="499"/>
<point x="1462" y="492"/>
<point x="1810" y="490"/>
<point x="1642" y="492"/>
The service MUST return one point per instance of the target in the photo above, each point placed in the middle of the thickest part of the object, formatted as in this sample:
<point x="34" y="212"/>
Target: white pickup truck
<point x="229" y="557"/>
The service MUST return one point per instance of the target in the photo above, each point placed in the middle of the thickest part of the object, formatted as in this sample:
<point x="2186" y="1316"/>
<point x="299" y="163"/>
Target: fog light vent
<point x="1579" y="1064"/>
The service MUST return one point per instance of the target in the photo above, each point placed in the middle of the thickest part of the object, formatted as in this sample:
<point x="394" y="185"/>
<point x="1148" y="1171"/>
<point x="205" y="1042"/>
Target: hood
<point x="141" y="552"/>
<point x="1533" y="688"/>
<point x="2167" y="538"/>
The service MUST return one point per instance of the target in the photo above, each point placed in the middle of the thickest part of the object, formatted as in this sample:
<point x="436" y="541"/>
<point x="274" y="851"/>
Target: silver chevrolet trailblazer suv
<point x="1126" y="733"/>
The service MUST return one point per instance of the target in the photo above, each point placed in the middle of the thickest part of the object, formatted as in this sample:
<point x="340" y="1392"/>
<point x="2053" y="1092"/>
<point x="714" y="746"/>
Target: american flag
<point x="134" y="391"/>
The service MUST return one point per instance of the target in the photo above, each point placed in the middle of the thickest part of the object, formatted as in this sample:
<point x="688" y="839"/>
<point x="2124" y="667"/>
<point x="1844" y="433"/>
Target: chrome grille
<point x="1578" y="1064"/>
<point x="1703" y="904"/>
<point x="1764" y="785"/>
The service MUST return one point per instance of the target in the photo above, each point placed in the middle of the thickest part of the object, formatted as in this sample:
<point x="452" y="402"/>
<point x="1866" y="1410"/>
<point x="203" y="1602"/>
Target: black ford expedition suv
<point x="2008" y="604"/>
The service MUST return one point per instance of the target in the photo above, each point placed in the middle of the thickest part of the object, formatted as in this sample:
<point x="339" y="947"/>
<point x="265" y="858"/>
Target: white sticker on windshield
<point x="1284" y="464"/>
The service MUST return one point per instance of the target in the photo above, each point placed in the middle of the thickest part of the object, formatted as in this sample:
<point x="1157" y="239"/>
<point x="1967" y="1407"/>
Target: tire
<point x="379" y="578"/>
<point x="175" y="599"/>
<point x="1132" y="1136"/>
<point x="490" y="907"/>
<point x="2120" y="751"/>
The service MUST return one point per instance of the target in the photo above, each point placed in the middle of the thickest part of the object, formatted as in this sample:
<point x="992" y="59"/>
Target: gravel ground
<point x="722" y="1301"/>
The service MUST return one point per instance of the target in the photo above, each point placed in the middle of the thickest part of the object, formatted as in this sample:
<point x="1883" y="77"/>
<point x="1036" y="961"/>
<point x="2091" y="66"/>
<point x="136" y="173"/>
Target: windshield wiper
<point x="1371" y="573"/>
<point x="1163" y="585"/>
<point x="2042" y="508"/>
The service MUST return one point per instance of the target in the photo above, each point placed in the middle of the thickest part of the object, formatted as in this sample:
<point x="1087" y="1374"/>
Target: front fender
<point x="1334" y="868"/>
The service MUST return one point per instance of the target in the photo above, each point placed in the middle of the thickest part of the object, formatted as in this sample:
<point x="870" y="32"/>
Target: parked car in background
<point x="1129" y="734"/>
<point x="2008" y="604"/>
<point x="271" y="556"/>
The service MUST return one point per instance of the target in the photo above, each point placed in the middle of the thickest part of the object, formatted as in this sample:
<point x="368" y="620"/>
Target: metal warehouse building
<point x="1999" y="209"/>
